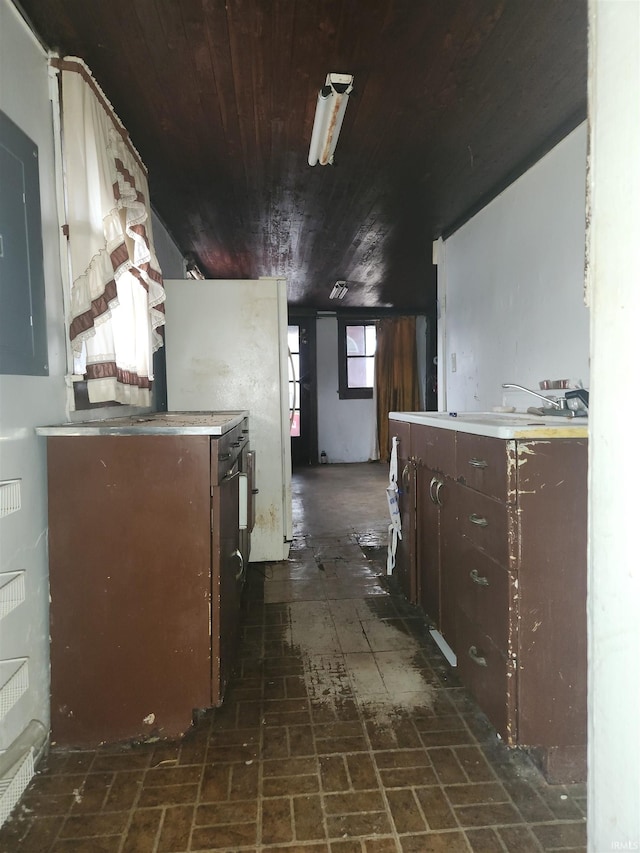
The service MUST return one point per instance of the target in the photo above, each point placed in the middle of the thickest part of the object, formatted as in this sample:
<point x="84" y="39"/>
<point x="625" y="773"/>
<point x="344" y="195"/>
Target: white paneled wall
<point x="511" y="283"/>
<point x="27" y="401"/>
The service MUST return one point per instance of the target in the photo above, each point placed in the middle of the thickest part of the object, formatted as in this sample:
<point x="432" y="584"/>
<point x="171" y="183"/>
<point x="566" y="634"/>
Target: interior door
<point x="303" y="391"/>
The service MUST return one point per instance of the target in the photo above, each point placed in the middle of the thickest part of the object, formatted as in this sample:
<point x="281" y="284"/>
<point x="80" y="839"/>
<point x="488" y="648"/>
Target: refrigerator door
<point x="226" y="349"/>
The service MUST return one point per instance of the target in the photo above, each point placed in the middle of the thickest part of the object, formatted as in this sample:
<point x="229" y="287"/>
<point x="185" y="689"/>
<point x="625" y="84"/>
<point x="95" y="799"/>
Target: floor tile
<point x="342" y="731"/>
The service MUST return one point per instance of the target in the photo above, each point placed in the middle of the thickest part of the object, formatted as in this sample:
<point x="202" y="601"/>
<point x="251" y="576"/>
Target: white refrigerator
<point x="226" y="349"/>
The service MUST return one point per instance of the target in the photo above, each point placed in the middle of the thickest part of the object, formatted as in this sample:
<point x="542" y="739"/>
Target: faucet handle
<point x="579" y="393"/>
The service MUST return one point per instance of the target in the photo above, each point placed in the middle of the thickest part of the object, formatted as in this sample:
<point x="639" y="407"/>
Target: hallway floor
<point x="344" y="731"/>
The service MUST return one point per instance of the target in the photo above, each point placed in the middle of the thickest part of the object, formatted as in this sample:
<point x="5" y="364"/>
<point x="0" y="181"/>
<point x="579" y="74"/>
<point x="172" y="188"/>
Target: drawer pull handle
<point x="478" y="520"/>
<point x="476" y="578"/>
<point x="405" y="476"/>
<point x="476" y="658"/>
<point x="478" y="463"/>
<point x="435" y="496"/>
<point x="222" y="457"/>
<point x="240" y="558"/>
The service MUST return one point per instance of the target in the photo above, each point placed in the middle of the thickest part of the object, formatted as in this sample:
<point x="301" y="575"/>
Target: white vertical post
<point x="439" y="260"/>
<point x="614" y="295"/>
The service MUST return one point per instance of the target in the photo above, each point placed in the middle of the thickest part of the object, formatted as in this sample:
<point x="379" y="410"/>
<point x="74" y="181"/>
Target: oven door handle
<point x="243" y="501"/>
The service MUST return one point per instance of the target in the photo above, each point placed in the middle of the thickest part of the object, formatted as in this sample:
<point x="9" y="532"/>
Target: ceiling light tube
<point x="339" y="290"/>
<point x="330" y="109"/>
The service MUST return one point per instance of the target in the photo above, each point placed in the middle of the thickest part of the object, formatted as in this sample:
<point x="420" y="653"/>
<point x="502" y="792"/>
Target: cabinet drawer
<point x="226" y="449"/>
<point x="482" y="588"/>
<point x="482" y="464"/>
<point x="435" y="448"/>
<point x="484" y="521"/>
<point x="488" y="674"/>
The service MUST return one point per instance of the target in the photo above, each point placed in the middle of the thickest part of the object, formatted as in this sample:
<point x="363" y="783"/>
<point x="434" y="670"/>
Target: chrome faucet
<point x="558" y="403"/>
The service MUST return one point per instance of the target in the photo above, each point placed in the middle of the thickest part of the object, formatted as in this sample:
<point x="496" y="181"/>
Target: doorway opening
<point x="303" y="398"/>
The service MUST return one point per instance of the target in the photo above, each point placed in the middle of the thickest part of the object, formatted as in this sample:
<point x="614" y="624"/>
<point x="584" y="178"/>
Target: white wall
<point x="169" y="256"/>
<point x="28" y="401"/>
<point x="346" y="428"/>
<point x="511" y="282"/>
<point x="614" y="465"/>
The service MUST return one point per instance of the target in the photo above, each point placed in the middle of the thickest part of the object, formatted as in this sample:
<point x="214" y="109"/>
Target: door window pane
<point x="293" y="341"/>
<point x="293" y="338"/>
<point x="294" y="362"/>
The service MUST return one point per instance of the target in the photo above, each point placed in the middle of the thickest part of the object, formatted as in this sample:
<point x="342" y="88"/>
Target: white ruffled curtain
<point x="117" y="293"/>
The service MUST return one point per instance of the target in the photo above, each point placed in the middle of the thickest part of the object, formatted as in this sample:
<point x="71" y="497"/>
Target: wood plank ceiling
<point x="452" y="99"/>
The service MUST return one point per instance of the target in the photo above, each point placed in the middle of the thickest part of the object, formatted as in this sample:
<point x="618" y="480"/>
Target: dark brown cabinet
<point x="430" y="497"/>
<point x="432" y="452"/>
<point x="405" y="564"/>
<point x="146" y="571"/>
<point x="500" y="539"/>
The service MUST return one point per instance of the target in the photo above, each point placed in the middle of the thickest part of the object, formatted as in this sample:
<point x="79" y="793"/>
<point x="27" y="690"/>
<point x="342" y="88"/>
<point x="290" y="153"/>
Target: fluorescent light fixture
<point x="192" y="269"/>
<point x="339" y="290"/>
<point x="330" y="110"/>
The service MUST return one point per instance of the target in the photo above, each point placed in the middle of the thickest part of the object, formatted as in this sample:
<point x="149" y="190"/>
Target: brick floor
<point x="343" y="731"/>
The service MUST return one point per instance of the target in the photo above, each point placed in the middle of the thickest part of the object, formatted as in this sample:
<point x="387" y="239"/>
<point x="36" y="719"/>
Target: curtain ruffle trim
<point x="101" y="390"/>
<point x="89" y="299"/>
<point x="94" y="293"/>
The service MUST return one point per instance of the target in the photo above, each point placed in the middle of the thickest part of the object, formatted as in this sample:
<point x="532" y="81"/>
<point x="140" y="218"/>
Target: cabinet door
<point x="429" y="492"/>
<point x="405" y="568"/>
<point x="552" y="612"/>
<point x="129" y="555"/>
<point x="449" y="561"/>
<point x="227" y="582"/>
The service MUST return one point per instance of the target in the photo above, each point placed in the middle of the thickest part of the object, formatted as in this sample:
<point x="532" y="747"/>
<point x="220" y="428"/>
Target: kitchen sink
<point x="500" y="424"/>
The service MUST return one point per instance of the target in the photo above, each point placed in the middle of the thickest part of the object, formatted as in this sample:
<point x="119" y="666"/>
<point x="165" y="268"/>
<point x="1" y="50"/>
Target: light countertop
<point x="153" y="423"/>
<point x="500" y="424"/>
